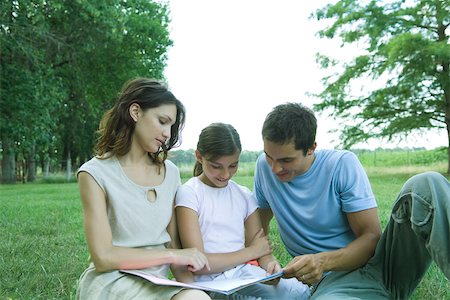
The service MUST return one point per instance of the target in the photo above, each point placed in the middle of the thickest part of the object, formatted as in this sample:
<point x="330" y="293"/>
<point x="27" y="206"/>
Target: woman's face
<point x="217" y="173"/>
<point x="153" y="127"/>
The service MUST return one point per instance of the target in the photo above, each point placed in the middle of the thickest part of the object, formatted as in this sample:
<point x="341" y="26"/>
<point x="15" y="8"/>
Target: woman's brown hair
<point x="117" y="127"/>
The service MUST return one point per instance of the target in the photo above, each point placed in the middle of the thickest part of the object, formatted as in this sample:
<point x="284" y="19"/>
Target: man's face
<point x="285" y="161"/>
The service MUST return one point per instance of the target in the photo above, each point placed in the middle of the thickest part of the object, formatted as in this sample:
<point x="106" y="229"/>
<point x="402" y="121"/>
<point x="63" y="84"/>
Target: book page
<point x="226" y="287"/>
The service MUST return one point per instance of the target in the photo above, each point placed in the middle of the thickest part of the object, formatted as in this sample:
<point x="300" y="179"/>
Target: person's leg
<point x="417" y="233"/>
<point x="290" y="289"/>
<point x="358" y="284"/>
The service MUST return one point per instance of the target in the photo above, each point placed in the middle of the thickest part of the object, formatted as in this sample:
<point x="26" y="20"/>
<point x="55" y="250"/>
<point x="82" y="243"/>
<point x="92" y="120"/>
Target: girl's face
<point x="153" y="126"/>
<point x="217" y="173"/>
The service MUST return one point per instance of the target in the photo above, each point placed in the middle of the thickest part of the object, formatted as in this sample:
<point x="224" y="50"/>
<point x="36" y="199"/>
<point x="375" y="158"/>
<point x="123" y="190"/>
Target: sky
<point x="232" y="61"/>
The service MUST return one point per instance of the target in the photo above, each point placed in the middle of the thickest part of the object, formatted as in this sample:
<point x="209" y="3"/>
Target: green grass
<point x="400" y="158"/>
<point x="42" y="243"/>
<point x="43" y="251"/>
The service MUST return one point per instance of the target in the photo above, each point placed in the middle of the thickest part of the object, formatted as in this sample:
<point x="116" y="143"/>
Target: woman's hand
<point x="192" y="258"/>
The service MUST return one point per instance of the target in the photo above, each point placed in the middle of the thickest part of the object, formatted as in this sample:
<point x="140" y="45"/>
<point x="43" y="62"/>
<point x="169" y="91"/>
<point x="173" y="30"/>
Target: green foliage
<point x="405" y="50"/>
<point x="28" y="87"/>
<point x="62" y="64"/>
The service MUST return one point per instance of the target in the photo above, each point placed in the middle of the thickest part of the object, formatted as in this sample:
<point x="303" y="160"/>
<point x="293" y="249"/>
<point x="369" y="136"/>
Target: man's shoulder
<point x="332" y="160"/>
<point x="334" y="152"/>
<point x="260" y="157"/>
<point x="335" y="155"/>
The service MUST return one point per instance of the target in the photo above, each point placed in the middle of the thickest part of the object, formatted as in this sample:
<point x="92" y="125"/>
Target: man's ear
<point x="134" y="111"/>
<point x="312" y="149"/>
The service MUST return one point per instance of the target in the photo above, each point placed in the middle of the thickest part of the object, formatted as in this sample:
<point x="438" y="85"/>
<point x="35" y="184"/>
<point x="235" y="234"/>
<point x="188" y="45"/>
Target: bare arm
<point x="366" y="226"/>
<point x="190" y="236"/>
<point x="253" y="225"/>
<point x="266" y="216"/>
<point x="181" y="272"/>
<point x="104" y="254"/>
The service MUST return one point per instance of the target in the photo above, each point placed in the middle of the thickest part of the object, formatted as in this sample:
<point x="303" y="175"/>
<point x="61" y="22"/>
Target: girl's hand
<point x="192" y="258"/>
<point x="273" y="267"/>
<point x="261" y="244"/>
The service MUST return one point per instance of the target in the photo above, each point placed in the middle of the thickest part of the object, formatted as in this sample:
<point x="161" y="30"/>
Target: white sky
<point x="233" y="60"/>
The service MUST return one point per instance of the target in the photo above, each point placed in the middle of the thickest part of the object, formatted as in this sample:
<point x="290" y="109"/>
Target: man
<point x="328" y="220"/>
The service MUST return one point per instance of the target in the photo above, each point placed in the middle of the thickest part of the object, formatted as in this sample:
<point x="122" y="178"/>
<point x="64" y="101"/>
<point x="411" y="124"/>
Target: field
<point x="43" y="252"/>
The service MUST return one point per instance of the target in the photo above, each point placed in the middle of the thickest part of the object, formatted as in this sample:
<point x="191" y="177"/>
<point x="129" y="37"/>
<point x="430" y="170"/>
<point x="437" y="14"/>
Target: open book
<point x="226" y="286"/>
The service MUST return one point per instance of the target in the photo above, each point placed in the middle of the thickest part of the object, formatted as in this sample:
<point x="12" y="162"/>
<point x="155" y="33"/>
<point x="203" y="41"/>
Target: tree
<point x="406" y="52"/>
<point x="103" y="44"/>
<point x="62" y="63"/>
<point x="27" y="85"/>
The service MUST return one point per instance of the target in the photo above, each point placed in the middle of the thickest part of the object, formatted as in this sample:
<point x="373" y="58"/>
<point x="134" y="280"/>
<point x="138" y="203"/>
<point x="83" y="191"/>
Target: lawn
<point x="43" y="252"/>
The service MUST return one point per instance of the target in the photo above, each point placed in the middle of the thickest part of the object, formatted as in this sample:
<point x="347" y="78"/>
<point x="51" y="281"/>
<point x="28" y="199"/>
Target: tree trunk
<point x="69" y="166"/>
<point x="31" y="164"/>
<point x="46" y="165"/>
<point x="447" y="122"/>
<point x="8" y="163"/>
<point x="448" y="151"/>
<point x="448" y="161"/>
<point x="22" y="170"/>
<point x="444" y="80"/>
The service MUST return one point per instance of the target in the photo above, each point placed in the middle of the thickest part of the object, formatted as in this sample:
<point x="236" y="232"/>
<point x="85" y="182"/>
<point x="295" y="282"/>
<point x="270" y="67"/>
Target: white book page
<point x="226" y="286"/>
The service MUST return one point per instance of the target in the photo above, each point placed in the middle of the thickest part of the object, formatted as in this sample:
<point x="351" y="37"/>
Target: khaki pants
<point x="417" y="234"/>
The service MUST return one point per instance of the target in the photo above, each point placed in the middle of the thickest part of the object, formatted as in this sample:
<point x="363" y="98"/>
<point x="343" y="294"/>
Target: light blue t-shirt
<point x="311" y="209"/>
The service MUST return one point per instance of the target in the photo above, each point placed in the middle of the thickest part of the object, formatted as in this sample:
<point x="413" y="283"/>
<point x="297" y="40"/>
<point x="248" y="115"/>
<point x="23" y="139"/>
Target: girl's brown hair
<point x="215" y="141"/>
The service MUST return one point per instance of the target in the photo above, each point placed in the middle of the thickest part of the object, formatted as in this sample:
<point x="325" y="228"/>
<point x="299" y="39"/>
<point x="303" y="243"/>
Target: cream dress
<point x="135" y="222"/>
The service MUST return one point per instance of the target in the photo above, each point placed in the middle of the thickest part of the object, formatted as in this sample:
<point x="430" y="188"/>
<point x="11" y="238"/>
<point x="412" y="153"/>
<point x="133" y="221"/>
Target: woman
<point x="127" y="192"/>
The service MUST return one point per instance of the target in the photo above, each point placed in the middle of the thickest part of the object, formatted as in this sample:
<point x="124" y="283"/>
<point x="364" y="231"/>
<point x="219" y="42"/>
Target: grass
<point x="43" y="251"/>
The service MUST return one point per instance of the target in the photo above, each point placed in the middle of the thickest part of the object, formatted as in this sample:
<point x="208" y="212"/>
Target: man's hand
<point x="306" y="268"/>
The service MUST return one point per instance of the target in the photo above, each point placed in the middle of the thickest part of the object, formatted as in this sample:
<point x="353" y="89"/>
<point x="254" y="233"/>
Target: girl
<point x="127" y="192"/>
<point x="220" y="218"/>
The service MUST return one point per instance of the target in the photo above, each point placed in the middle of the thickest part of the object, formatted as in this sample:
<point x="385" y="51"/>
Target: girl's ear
<point x="198" y="156"/>
<point x="134" y="111"/>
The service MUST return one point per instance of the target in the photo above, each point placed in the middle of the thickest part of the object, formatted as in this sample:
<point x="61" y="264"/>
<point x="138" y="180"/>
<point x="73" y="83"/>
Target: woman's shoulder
<point x="97" y="162"/>
<point x="170" y="164"/>
<point x="99" y="168"/>
<point x="171" y="168"/>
